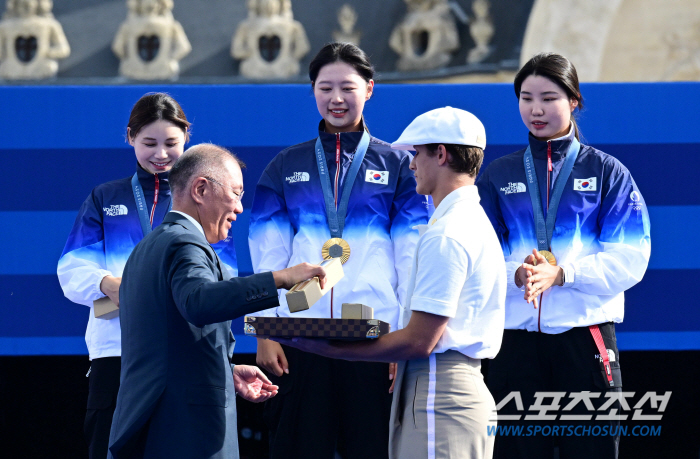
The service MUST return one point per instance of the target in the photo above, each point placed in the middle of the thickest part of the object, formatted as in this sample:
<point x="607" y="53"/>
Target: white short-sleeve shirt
<point x="459" y="272"/>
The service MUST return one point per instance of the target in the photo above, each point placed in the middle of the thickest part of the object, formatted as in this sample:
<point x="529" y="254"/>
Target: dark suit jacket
<point x="177" y="398"/>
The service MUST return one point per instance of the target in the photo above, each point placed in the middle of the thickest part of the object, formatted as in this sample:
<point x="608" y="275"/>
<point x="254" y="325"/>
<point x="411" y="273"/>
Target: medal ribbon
<point x="545" y="228"/>
<point x="141" y="206"/>
<point x="336" y="217"/>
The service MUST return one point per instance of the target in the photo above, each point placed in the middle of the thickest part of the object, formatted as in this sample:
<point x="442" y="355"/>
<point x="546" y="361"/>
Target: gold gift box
<point x="356" y="311"/>
<point x="304" y="294"/>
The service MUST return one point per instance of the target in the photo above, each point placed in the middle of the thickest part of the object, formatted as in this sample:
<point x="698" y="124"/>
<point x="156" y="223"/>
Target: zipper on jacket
<point x="549" y="175"/>
<point x="155" y="199"/>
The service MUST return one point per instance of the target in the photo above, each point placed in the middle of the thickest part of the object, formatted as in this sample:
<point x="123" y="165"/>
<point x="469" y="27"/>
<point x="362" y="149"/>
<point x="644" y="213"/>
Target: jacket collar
<point x="560" y="146"/>
<point x="148" y="181"/>
<point x="180" y="219"/>
<point x="348" y="142"/>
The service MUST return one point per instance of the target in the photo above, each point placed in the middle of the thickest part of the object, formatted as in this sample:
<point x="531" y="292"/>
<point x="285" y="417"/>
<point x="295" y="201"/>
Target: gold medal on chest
<point x="336" y="248"/>
<point x="549" y="256"/>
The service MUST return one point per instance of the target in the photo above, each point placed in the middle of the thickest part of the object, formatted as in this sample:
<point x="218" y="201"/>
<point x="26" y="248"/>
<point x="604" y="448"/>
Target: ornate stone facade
<point x="269" y="43"/>
<point x="653" y="40"/>
<point x="608" y="40"/>
<point x="426" y="37"/>
<point x="31" y="41"/>
<point x="150" y="42"/>
<point x="577" y="29"/>
<point x="619" y="40"/>
<point x="684" y="52"/>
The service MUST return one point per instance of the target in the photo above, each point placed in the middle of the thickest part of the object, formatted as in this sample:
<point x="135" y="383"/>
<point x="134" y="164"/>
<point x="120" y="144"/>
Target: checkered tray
<point x="288" y="327"/>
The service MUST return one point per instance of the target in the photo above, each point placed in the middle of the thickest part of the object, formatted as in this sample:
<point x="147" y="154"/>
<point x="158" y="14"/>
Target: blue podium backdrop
<point x="59" y="142"/>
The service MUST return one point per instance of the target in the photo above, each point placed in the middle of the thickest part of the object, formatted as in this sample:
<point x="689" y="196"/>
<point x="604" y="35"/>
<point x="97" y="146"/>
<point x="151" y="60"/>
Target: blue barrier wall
<point x="59" y="142"/>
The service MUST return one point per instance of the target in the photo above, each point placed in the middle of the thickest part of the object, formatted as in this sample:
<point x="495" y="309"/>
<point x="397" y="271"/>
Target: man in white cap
<point x="455" y="314"/>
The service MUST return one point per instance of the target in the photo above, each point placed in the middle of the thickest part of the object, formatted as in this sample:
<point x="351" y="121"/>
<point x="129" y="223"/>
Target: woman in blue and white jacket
<point x="575" y="234"/>
<point x="112" y="220"/>
<point x="339" y="401"/>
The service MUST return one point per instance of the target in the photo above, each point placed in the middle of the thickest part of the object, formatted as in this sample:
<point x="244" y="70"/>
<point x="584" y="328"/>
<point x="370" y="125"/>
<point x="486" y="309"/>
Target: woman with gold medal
<point x="575" y="234"/>
<point x="347" y="195"/>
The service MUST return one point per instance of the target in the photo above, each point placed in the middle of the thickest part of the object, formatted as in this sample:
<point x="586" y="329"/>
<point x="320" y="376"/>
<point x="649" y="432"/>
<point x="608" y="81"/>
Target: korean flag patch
<point x="588" y="184"/>
<point x="380" y="177"/>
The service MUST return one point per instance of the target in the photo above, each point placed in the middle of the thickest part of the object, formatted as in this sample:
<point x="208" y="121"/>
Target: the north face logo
<point x="517" y="187"/>
<point x="298" y="177"/>
<point x="114" y="210"/>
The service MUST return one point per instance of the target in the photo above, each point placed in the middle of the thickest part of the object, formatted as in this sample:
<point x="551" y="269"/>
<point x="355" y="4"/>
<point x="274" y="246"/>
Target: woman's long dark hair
<point x="345" y="52"/>
<point x="154" y="107"/>
<point x="557" y="69"/>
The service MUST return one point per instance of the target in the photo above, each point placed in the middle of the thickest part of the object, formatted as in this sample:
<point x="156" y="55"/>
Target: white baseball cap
<point x="443" y="125"/>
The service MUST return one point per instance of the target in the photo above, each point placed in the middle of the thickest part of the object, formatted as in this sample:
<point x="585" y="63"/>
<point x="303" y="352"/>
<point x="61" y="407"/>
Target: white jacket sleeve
<point x="82" y="265"/>
<point x="624" y="244"/>
<point x="270" y="231"/>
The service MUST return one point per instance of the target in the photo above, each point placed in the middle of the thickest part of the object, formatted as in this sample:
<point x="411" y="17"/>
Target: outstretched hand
<point x="252" y="384"/>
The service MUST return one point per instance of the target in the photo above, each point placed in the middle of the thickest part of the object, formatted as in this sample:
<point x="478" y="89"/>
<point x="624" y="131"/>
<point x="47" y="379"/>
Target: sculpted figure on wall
<point x="684" y="47"/>
<point x="31" y="41"/>
<point x="426" y="37"/>
<point x="481" y="31"/>
<point x="150" y="42"/>
<point x="269" y="43"/>
<point x="347" y="18"/>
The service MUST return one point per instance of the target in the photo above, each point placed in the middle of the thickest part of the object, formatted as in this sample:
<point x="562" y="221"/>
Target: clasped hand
<point x="536" y="275"/>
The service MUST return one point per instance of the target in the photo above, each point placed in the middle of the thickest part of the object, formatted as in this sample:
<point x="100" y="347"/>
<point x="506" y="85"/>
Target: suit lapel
<point x="224" y="272"/>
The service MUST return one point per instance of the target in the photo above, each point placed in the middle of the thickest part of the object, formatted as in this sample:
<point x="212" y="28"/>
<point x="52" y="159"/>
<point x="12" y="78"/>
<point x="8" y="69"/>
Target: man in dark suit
<point x="178" y="384"/>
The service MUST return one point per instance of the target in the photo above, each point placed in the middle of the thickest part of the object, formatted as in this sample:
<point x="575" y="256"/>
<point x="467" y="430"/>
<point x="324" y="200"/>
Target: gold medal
<point x="336" y="248"/>
<point x="549" y="256"/>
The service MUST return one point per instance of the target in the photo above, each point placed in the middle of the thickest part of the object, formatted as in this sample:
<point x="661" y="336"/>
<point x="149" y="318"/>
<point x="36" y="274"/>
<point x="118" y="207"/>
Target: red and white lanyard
<point x="155" y="198"/>
<point x="337" y="178"/>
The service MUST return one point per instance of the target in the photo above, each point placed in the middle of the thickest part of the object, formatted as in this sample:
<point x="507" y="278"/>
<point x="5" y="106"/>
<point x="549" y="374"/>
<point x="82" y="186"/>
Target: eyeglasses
<point x="238" y="196"/>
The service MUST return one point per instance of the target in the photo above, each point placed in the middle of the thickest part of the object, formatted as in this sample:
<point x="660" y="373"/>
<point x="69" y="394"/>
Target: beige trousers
<point x="441" y="409"/>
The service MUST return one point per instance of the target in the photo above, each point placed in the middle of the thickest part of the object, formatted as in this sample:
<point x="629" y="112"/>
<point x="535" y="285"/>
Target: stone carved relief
<point x="426" y="37"/>
<point x="150" y="43"/>
<point x="684" y="50"/>
<point x="577" y="29"/>
<point x="31" y="40"/>
<point x="269" y="42"/>
<point x="652" y="40"/>
<point x="481" y="31"/>
<point x="618" y="40"/>
<point x="347" y="18"/>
